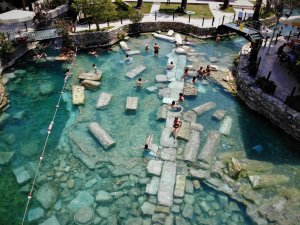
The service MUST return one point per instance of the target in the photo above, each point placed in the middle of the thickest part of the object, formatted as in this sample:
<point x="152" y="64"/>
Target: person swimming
<point x="176" y="107"/>
<point x="181" y="97"/>
<point x="147" y="47"/>
<point x="139" y="82"/>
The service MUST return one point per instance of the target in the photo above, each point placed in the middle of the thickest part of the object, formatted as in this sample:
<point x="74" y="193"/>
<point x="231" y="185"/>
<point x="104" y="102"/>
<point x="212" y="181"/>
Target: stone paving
<point x="284" y="79"/>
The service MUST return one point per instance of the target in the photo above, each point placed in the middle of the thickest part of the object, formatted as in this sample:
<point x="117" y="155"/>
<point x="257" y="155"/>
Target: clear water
<point x="130" y="130"/>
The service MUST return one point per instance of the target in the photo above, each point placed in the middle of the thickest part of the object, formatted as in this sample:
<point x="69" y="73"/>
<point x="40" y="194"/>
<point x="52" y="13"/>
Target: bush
<point x="122" y="5"/>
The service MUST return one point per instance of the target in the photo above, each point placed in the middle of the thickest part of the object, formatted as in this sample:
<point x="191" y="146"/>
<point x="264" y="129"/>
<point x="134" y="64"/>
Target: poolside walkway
<point x="284" y="80"/>
<point x="214" y="7"/>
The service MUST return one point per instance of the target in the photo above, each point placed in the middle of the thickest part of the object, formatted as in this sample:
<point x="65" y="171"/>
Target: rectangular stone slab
<point x="267" y="180"/>
<point x="90" y="84"/>
<point x="167" y="183"/>
<point x="184" y="131"/>
<point x="226" y="125"/>
<point x="103" y="100"/>
<point x="178" y="39"/>
<point x="152" y="187"/>
<point x="166" y="139"/>
<point x="161" y="79"/>
<point x="163" y="37"/>
<point x="201" y="109"/>
<point x="168" y="154"/>
<point x="162" y="112"/>
<point x="219" y="114"/>
<point x="192" y="147"/>
<point x="209" y="149"/>
<point x="180" y="186"/>
<point x="78" y="95"/>
<point x="170" y="33"/>
<point x="124" y="46"/>
<point x="136" y="71"/>
<point x="133" y="52"/>
<point x="101" y="135"/>
<point x="131" y="103"/>
<point x="90" y="76"/>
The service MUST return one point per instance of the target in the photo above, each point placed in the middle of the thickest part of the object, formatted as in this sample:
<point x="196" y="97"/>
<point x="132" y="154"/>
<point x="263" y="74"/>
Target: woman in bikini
<point x="176" y="127"/>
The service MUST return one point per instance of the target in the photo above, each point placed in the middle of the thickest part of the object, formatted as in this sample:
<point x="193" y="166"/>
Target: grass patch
<point x="146" y="7"/>
<point x="201" y="10"/>
<point x="228" y="10"/>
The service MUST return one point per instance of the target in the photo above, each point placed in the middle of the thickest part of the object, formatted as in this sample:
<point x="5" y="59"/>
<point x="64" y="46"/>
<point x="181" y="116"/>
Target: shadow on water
<point x="265" y="141"/>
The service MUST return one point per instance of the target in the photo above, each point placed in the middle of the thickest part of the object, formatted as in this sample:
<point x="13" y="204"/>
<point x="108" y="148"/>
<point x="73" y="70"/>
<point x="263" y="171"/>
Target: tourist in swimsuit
<point x="176" y="127"/>
<point x="147" y="47"/>
<point x="156" y="49"/>
<point x="175" y="107"/>
<point x="218" y="39"/>
<point x="207" y="71"/>
<point x="200" y="73"/>
<point x="96" y="71"/>
<point x="127" y="59"/>
<point x="147" y="147"/>
<point x="139" y="82"/>
<point x="181" y="98"/>
<point x="170" y="66"/>
<point x="186" y="73"/>
<point x="194" y="80"/>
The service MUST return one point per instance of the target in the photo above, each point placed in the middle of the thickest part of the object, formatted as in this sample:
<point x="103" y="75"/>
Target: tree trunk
<point x="139" y="4"/>
<point x="30" y="5"/>
<point x="257" y="10"/>
<point x="225" y="4"/>
<point x="268" y="7"/>
<point x="183" y="4"/>
<point x="97" y="26"/>
<point x="23" y="4"/>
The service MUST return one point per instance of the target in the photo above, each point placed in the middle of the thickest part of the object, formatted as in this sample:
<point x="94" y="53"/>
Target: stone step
<point x="124" y="46"/>
<point x="166" y="139"/>
<point x="201" y="109"/>
<point x="90" y="84"/>
<point x="167" y="183"/>
<point x="103" y="100"/>
<point x="210" y="147"/>
<point x="78" y="96"/>
<point x="192" y="147"/>
<point x="136" y="71"/>
<point x="226" y="125"/>
<point x="90" y="76"/>
<point x="180" y="186"/>
<point x="131" y="103"/>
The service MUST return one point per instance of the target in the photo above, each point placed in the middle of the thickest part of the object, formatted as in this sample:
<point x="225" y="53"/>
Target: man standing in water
<point x="96" y="71"/>
<point x="156" y="49"/>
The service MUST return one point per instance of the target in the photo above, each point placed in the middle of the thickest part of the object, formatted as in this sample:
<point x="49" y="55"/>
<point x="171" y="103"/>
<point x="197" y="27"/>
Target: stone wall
<point x="269" y="106"/>
<point x="19" y="52"/>
<point x="89" y="39"/>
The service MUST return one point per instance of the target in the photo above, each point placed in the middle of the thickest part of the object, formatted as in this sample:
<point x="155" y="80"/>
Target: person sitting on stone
<point x="176" y="127"/>
<point x="170" y="66"/>
<point x="176" y="107"/>
<point x="200" y="73"/>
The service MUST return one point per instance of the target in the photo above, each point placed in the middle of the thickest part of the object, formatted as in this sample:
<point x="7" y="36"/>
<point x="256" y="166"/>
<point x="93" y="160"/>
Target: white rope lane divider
<point x="47" y="138"/>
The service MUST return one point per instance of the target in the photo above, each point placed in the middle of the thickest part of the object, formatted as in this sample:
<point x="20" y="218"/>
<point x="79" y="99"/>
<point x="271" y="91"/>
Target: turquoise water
<point x="31" y="110"/>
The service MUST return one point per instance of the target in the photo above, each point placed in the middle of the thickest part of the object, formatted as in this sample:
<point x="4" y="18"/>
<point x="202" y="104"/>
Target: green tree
<point x="100" y="10"/>
<point x="135" y="16"/>
<point x="6" y="47"/>
<point x="183" y="4"/>
<point x="225" y="4"/>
